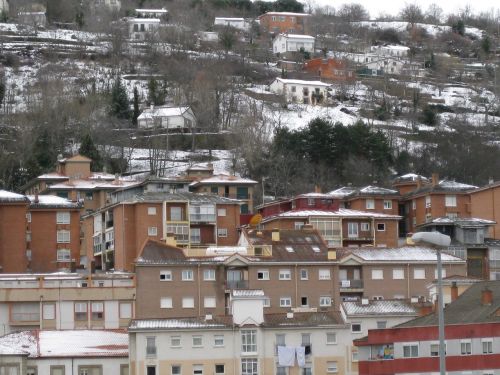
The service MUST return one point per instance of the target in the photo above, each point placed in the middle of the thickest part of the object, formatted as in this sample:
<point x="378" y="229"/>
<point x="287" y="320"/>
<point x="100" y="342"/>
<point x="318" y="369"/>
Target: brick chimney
<point x="435" y="179"/>
<point x="37" y="200"/>
<point x="486" y="297"/>
<point x="317" y="189"/>
<point x="275" y="235"/>
<point x="454" y="291"/>
<point x="419" y="182"/>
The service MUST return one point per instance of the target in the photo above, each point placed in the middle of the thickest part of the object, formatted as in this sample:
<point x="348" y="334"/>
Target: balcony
<point x="351" y="284"/>
<point x="202" y="218"/>
<point x="237" y="284"/>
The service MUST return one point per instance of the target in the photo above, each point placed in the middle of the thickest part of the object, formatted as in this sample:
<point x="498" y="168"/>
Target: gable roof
<point x="340" y="213"/>
<point x="155" y="252"/>
<point x="443" y="186"/>
<point x="407" y="254"/>
<point x="369" y="190"/>
<point x="11" y="197"/>
<point x="163" y="111"/>
<point x="396" y="307"/>
<point x="224" y="178"/>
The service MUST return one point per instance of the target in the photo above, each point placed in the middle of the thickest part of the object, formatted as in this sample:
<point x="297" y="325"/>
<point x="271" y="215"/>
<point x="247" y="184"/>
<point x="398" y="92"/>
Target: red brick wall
<point x="13" y="238"/>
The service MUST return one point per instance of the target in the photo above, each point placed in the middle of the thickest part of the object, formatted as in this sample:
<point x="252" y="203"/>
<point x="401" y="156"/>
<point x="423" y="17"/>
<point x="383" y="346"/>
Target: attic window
<point x="316" y="249"/>
<point x="258" y="251"/>
<point x="289" y="249"/>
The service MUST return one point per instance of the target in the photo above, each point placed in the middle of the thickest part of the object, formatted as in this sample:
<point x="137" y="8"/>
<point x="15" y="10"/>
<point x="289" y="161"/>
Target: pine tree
<point x="119" y="101"/>
<point x="88" y="149"/>
<point x="136" y="113"/>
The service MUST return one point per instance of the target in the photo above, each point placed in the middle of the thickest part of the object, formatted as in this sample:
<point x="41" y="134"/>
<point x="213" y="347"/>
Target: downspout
<point x="296" y="287"/>
<point x="408" y="280"/>
<point x="199" y="291"/>
<point x="41" y="312"/>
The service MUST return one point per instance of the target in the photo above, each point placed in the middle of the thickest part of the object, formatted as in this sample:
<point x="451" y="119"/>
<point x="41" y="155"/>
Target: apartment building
<point x="247" y="342"/>
<point x="114" y="235"/>
<point x="47" y="352"/>
<point x="63" y="301"/>
<point x="343" y="227"/>
<point x="368" y="198"/>
<point x="398" y="273"/>
<point x="284" y="22"/>
<point x="472" y="339"/>
<point x="485" y="203"/>
<point x="291" y="267"/>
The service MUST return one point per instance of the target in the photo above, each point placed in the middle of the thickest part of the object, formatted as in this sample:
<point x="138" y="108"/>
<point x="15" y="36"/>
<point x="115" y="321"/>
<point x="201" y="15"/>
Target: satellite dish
<point x="255" y="220"/>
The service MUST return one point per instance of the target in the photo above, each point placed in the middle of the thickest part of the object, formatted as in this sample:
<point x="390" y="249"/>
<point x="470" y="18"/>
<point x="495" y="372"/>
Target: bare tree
<point x="412" y="14"/>
<point x="434" y="14"/>
<point x="353" y="12"/>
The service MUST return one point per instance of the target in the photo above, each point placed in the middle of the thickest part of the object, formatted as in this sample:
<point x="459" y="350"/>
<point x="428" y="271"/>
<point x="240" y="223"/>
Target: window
<point x="222" y="232"/>
<point x="195" y="235"/>
<point x="304" y="301"/>
<point x="387" y="204"/>
<point x="381" y="227"/>
<point x="151" y="346"/>
<point x="381" y="324"/>
<point x="450" y="201"/>
<point x="267" y="302"/>
<point x="49" y="311"/>
<point x="209" y="275"/>
<point x="304" y="274"/>
<point x="188" y="302"/>
<point x="410" y="350"/>
<point x="249" y="341"/>
<point x="398" y="274"/>
<point x="377" y="274"/>
<point x="263" y="275"/>
<point x="221" y="212"/>
<point x="280" y="370"/>
<point x="419" y="273"/>
<point x="152" y="231"/>
<point x="370" y="204"/>
<point x="31" y="371"/>
<point x="414" y="204"/>
<point x="187" y="275"/>
<point x="325" y="301"/>
<point x="125" y="310"/>
<point x="151" y="370"/>
<point x="197" y="369"/>
<point x="80" y="311"/>
<point x="219" y="340"/>
<point x="197" y="341"/>
<point x="324" y="274"/>
<point x="166" y="302"/>
<point x="28" y="217"/>
<point x="298" y="225"/>
<point x="209" y="302"/>
<point x="151" y="210"/>
<point x="487" y="345"/>
<point x="249" y="366"/>
<point x="285" y="275"/>
<point x="331" y="366"/>
<point x="280" y="339"/>
<point x="63" y="236"/>
<point x="175" y="341"/>
<point x="219" y="369"/>
<point x="97" y="310"/>
<point x="443" y="273"/>
<point x="175" y="370"/>
<point x="63" y="255"/>
<point x="365" y="227"/>
<point x="355" y="327"/>
<point x="311" y="202"/>
<point x="57" y="370"/>
<point x="63" y="218"/>
<point x="165" y="275"/>
<point x="428" y="201"/>
<point x="352" y="230"/>
<point x="285" y="301"/>
<point x="331" y="338"/>
<point x="176" y="214"/>
<point x="354" y="356"/>
<point x="465" y="347"/>
<point x="89" y="370"/>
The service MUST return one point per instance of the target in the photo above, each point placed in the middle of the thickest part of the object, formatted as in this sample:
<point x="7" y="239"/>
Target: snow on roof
<point x="84" y="343"/>
<point x="393" y="47"/>
<point x="226" y="250"/>
<point x="461" y="222"/>
<point x="342" y="192"/>
<point x="162" y="111"/>
<point x="285" y="14"/>
<point x="201" y="167"/>
<point x="52" y="176"/>
<point x="92" y="184"/>
<point x="403" y="254"/>
<point x="342" y="212"/>
<point x="162" y="10"/>
<point x="52" y="200"/>
<point x="314" y="195"/>
<point x="224" y="178"/>
<point x="383" y="307"/>
<point x="377" y="190"/>
<point x="229" y="18"/>
<point x="297" y="36"/>
<point x="144" y="20"/>
<point x="247" y="293"/>
<point x="302" y="82"/>
<point x="101" y="176"/>
<point x="8" y="196"/>
<point x="411" y="177"/>
<point x="453" y="185"/>
<point x="174" y="324"/>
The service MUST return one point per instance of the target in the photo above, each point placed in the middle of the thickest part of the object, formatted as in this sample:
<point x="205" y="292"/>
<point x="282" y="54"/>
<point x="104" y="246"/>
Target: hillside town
<point x="248" y="188"/>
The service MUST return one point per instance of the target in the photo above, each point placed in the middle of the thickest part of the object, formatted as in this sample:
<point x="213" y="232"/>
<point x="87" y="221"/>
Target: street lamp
<point x="437" y="241"/>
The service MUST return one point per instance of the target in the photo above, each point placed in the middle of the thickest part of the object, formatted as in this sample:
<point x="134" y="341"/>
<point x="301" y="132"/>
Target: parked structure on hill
<point x="284" y="22"/>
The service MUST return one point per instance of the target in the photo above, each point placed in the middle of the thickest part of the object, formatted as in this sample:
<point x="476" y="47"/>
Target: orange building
<point x="284" y="22"/>
<point x="485" y="203"/>
<point x="329" y="69"/>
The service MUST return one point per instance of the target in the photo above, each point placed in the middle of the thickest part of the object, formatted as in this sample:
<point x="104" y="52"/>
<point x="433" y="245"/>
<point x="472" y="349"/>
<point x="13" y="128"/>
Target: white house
<point x="299" y="91"/>
<point x="390" y="50"/>
<point x="387" y="65"/>
<point x="82" y="352"/>
<point x="151" y="13"/>
<point x="293" y="42"/>
<point x="247" y="342"/>
<point x="167" y="117"/>
<point x="237" y="23"/>
<point x="139" y="28"/>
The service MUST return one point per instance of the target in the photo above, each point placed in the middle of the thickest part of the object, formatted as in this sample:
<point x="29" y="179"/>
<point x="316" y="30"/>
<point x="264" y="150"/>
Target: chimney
<point x="419" y="182"/>
<point x="435" y="179"/>
<point x="170" y="240"/>
<point x="486" y="297"/>
<point x="37" y="200"/>
<point x="275" y="235"/>
<point x="425" y="309"/>
<point x="317" y="189"/>
<point x="491" y="181"/>
<point x="435" y="306"/>
<point x="454" y="291"/>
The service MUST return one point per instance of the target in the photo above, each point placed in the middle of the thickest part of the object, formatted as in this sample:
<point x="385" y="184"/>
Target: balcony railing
<point x="25" y="317"/>
<point x="351" y="284"/>
<point x="204" y="218"/>
<point x="237" y="284"/>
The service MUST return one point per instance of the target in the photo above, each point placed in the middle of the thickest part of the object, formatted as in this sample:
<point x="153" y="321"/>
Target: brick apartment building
<point x="330" y="69"/>
<point x="284" y="22"/>
<point x="472" y="337"/>
<point x="38" y="233"/>
<point x="485" y="203"/>
<point x="114" y="235"/>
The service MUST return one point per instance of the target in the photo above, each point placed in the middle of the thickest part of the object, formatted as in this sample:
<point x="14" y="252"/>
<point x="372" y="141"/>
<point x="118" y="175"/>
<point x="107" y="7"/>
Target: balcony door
<point x="234" y="279"/>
